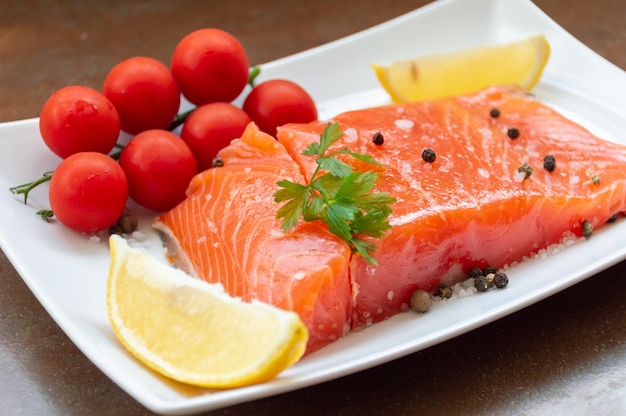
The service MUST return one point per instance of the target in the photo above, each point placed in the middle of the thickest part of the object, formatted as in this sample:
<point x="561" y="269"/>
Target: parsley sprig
<point x="337" y="195"/>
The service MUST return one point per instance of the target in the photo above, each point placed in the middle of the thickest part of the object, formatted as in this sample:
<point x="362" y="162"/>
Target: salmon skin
<point x="469" y="207"/>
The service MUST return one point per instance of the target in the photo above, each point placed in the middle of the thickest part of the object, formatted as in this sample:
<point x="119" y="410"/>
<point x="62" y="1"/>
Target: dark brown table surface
<point x="564" y="355"/>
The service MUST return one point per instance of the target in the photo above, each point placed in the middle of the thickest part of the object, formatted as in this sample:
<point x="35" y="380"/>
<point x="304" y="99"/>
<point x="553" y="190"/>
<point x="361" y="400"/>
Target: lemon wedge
<point x="466" y="71"/>
<point x="192" y="331"/>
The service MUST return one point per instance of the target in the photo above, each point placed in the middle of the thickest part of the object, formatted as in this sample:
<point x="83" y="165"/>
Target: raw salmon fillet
<point x="470" y="207"/>
<point x="225" y="231"/>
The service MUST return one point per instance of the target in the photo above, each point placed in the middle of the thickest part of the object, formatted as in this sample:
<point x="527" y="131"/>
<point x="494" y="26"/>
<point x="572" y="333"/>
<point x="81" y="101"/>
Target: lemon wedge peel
<point x="462" y="72"/>
<point x="192" y="331"/>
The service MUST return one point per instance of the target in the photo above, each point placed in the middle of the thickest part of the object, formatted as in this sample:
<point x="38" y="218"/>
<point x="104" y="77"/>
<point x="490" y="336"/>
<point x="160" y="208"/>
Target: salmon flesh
<point x="471" y="206"/>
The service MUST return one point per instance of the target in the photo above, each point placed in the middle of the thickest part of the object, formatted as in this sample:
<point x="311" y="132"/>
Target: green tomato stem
<point x="252" y="74"/>
<point x="27" y="187"/>
<point x="45" y="214"/>
<point x="180" y="119"/>
<point x="116" y="155"/>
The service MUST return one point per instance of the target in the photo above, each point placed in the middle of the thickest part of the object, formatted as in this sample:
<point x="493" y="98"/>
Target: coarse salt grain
<point x="276" y="233"/>
<point x="467" y="283"/>
<point x="468" y="291"/>
<point x="350" y="135"/>
<point x="406" y="168"/>
<point x="519" y="176"/>
<point x="404" y="124"/>
<point x="138" y="236"/>
<point x="483" y="172"/>
<point x="211" y="226"/>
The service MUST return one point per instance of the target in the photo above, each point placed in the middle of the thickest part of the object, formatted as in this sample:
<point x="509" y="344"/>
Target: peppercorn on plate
<point x="76" y="296"/>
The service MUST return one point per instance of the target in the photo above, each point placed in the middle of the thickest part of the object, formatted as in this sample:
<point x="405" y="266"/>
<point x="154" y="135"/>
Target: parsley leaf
<point x="337" y="195"/>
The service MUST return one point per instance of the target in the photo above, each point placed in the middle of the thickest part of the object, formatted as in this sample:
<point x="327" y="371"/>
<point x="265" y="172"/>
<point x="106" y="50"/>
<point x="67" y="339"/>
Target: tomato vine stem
<point x="27" y="187"/>
<point x="179" y="119"/>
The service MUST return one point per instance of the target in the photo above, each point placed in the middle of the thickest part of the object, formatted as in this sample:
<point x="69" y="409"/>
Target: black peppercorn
<point x="513" y="133"/>
<point x="489" y="269"/>
<point x="429" y="155"/>
<point x="126" y="224"/>
<point x="378" y="138"/>
<point x="549" y="163"/>
<point x="217" y="162"/>
<point x="444" y="291"/>
<point x="500" y="280"/>
<point x="481" y="283"/>
<point x="495" y="113"/>
<point x="474" y="272"/>
<point x="526" y="169"/>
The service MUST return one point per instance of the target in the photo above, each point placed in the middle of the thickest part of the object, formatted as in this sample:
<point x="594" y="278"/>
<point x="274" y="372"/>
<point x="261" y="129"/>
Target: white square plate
<point x="68" y="273"/>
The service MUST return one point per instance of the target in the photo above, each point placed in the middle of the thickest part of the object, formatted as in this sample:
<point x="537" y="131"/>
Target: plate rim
<point x="204" y="402"/>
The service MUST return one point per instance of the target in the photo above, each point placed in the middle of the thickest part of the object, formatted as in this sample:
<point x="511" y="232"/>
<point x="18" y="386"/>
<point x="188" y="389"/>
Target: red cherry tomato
<point x="88" y="192"/>
<point x="144" y="93"/>
<point x="79" y="119"/>
<point x="159" y="166"/>
<point x="279" y="101"/>
<point x="210" y="128"/>
<point x="210" y="65"/>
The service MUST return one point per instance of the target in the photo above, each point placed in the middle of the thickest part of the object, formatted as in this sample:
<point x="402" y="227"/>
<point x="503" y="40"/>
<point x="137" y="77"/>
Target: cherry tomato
<point x="79" y="119"/>
<point x="210" y="65"/>
<point x="212" y="127"/>
<point x="88" y="192"/>
<point x="279" y="101"/>
<point x="144" y="93"/>
<point x="159" y="166"/>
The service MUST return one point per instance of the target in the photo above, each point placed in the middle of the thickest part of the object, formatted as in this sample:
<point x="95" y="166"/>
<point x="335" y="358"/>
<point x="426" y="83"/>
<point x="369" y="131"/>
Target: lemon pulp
<point x="192" y="331"/>
<point x="466" y="71"/>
